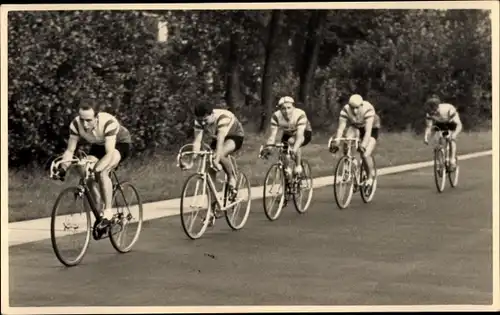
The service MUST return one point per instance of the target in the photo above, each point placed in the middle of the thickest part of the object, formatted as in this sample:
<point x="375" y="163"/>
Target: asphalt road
<point x="411" y="246"/>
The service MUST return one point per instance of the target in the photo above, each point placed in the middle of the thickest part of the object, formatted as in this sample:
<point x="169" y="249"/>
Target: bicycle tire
<point x="68" y="263"/>
<point x="113" y="236"/>
<point x="367" y="198"/>
<point x="183" y="211"/>
<point x="298" y="207"/>
<point x="248" y="206"/>
<point x="267" y="211"/>
<point x="453" y="176"/>
<point x="341" y="163"/>
<point x="439" y="167"/>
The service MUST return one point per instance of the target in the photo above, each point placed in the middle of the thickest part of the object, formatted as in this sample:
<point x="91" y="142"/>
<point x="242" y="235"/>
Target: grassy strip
<point x="31" y="195"/>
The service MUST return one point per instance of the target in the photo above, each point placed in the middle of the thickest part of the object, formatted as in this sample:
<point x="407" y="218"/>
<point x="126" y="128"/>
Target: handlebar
<point x="276" y="145"/>
<point x="87" y="164"/>
<point x="346" y="139"/>
<point x="207" y="151"/>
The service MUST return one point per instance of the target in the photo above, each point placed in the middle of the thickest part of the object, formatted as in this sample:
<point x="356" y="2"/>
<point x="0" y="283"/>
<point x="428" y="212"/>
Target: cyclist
<point x="227" y="135"/>
<point x="360" y="115"/>
<point x="297" y="131"/>
<point x="444" y="116"/>
<point x="110" y="144"/>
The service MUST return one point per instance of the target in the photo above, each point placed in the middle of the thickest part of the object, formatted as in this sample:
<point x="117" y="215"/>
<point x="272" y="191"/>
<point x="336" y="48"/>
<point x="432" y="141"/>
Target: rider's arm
<point x="428" y="127"/>
<point x="198" y="136"/>
<point x="70" y="150"/>
<point x="341" y="127"/>
<point x="273" y="130"/>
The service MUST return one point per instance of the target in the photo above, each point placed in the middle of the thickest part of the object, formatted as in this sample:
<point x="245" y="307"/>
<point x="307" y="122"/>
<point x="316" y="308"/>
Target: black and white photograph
<point x="250" y="157"/>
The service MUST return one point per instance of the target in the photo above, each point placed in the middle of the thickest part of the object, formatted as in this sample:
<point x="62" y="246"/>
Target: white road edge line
<point x="39" y="229"/>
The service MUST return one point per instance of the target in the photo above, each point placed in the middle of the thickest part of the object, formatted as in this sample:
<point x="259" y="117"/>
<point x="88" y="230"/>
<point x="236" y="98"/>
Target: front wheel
<point x="439" y="169"/>
<point x="237" y="215"/>
<point x="274" y="192"/>
<point x="343" y="186"/>
<point x="302" y="199"/>
<point x="70" y="226"/>
<point x="195" y="206"/>
<point x="128" y="223"/>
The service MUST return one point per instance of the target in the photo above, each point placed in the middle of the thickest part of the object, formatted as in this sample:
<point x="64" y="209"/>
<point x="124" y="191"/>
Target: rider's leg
<point x="453" y="147"/>
<point x="368" y="159"/>
<point x="298" y="159"/>
<point x="229" y="147"/>
<point x="106" y="164"/>
<point x="287" y="140"/>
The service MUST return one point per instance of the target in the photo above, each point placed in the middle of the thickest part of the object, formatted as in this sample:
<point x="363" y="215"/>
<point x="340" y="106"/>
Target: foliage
<point x="395" y="58"/>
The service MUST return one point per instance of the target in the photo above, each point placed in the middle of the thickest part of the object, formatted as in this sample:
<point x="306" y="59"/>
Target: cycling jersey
<point x="445" y="113"/>
<point x="365" y="111"/>
<point x="223" y="119"/>
<point x="106" y="126"/>
<point x="290" y="125"/>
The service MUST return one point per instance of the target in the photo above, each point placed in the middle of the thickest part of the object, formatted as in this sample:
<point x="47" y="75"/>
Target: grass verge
<point x="32" y="194"/>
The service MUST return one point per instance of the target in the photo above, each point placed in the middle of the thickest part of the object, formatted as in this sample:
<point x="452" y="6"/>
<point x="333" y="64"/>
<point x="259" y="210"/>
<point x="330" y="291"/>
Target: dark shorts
<point x="307" y="137"/>
<point x="446" y="126"/>
<point x="99" y="150"/>
<point x="374" y="133"/>
<point x="238" y="141"/>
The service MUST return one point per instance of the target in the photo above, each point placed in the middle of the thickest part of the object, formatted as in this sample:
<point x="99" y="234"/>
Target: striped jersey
<point x="358" y="120"/>
<point x="223" y="119"/>
<point x="445" y="113"/>
<point x="107" y="126"/>
<point x="289" y="125"/>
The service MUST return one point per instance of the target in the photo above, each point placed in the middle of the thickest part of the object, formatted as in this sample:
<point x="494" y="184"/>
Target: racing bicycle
<point x="442" y="154"/>
<point x="202" y="203"/>
<point x="76" y="203"/>
<point x="280" y="187"/>
<point x="351" y="175"/>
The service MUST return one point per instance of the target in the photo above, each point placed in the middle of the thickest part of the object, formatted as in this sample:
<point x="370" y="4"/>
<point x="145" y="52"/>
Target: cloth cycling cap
<point x="355" y="100"/>
<point x="285" y="99"/>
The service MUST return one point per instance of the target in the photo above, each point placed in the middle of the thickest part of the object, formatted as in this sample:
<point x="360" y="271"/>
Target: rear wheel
<point x="453" y="176"/>
<point x="128" y="223"/>
<point x="343" y="185"/>
<point x="237" y="215"/>
<point x="367" y="193"/>
<point x="302" y="199"/>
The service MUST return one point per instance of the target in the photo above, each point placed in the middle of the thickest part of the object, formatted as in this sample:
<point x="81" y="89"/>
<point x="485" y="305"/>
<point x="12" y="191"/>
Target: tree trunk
<point x="268" y="76"/>
<point x="311" y="52"/>
<point x="233" y="95"/>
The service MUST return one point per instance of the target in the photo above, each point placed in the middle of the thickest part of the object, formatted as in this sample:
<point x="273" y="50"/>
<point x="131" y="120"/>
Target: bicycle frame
<point x="207" y="156"/>
<point x="351" y="142"/>
<point x="443" y="143"/>
<point x="83" y="188"/>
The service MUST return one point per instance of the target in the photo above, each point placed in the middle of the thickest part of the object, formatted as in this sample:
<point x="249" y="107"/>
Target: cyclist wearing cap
<point x="110" y="143"/>
<point x="444" y="116"/>
<point x="360" y="115"/>
<point x="297" y="131"/>
<point x="226" y="132"/>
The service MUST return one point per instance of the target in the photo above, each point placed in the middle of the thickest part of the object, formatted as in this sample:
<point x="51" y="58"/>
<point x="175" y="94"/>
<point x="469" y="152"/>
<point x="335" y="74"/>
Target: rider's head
<point x="432" y="103"/>
<point x="88" y="113"/>
<point x="355" y="101"/>
<point x="203" y="112"/>
<point x="286" y="104"/>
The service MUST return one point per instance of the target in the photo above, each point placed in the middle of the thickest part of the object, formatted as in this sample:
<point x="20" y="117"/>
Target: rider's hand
<point x="216" y="163"/>
<point x="361" y="149"/>
<point x="334" y="147"/>
<point x="60" y="173"/>
<point x="426" y="141"/>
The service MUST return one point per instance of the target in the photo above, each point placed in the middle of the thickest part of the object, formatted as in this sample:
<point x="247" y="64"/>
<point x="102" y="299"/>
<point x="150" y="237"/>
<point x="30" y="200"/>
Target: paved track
<point x="410" y="246"/>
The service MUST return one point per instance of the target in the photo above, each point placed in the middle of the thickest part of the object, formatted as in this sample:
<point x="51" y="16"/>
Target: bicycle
<point x="346" y="171"/>
<point x="80" y="194"/>
<point x="288" y="186"/>
<point x="229" y="203"/>
<point x="442" y="167"/>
